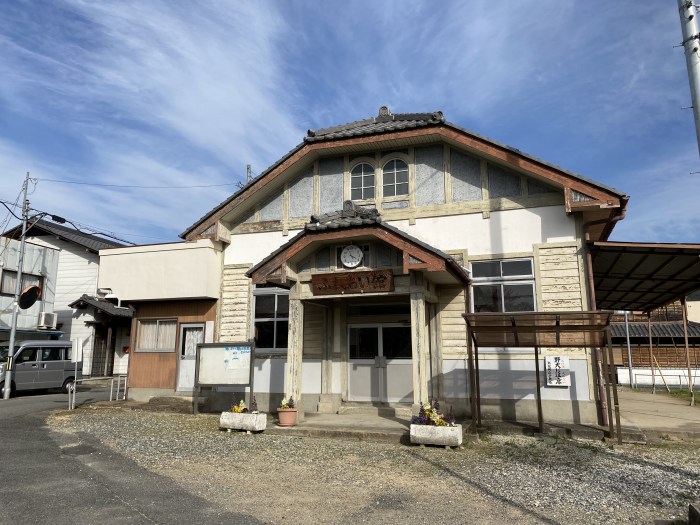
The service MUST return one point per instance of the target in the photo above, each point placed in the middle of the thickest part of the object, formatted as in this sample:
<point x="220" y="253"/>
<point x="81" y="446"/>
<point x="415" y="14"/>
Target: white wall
<point x="251" y="248"/>
<point x="184" y="270"/>
<point x="38" y="260"/>
<point x="77" y="274"/>
<point x="510" y="231"/>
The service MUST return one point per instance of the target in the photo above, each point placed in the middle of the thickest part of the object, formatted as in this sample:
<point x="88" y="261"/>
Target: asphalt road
<point x="64" y="479"/>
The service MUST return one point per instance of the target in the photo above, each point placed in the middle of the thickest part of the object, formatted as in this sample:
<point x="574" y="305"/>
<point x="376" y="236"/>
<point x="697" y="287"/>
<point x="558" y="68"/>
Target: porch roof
<point x="352" y="223"/>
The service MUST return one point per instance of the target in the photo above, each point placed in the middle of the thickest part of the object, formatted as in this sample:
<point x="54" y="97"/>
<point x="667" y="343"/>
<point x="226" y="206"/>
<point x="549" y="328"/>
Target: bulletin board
<point x="223" y="364"/>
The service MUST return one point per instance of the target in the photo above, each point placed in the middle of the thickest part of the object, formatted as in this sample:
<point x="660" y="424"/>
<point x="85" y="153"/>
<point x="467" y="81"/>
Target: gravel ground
<point x="281" y="479"/>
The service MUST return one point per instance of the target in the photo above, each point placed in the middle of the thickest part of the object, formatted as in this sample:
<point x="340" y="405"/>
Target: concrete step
<point x="381" y="410"/>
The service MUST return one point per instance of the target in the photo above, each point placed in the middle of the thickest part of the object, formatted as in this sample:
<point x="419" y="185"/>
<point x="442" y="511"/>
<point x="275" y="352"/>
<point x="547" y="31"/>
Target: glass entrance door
<point x="379" y="363"/>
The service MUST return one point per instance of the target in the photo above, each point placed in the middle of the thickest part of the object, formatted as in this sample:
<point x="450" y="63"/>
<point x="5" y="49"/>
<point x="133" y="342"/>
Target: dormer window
<point x="362" y="182"/>
<point x="395" y="178"/>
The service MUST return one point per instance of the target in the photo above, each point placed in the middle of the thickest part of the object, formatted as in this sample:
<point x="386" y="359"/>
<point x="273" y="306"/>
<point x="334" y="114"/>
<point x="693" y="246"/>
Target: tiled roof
<point x="102" y="305"/>
<point x="94" y="243"/>
<point x="350" y="215"/>
<point x="658" y="329"/>
<point x="384" y="122"/>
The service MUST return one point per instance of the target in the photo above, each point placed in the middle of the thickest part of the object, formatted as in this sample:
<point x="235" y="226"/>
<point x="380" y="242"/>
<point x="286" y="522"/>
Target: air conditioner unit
<point x="47" y="321"/>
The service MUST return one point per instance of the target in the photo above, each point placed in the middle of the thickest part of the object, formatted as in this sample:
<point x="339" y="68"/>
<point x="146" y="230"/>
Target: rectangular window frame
<point x="156" y="350"/>
<point x="503" y="281"/>
<point x="28" y="279"/>
<point x="277" y="319"/>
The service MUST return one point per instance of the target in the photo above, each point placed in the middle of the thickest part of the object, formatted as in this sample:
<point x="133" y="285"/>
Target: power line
<point x="137" y="186"/>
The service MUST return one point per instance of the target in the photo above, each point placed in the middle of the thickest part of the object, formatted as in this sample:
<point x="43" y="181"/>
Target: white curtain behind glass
<point x="193" y="336"/>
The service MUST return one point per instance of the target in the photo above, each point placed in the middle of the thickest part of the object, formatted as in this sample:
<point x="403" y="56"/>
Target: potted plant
<point x="287" y="413"/>
<point x="431" y="427"/>
<point x="239" y="417"/>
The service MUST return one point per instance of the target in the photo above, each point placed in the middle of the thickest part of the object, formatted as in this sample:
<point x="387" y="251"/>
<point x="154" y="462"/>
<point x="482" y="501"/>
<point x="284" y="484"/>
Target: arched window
<point x="362" y="182"/>
<point x="395" y="178"/>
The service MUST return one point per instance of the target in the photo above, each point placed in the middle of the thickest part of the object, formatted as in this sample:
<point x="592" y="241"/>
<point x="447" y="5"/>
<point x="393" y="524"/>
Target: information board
<point x="225" y="364"/>
<point x="557" y="370"/>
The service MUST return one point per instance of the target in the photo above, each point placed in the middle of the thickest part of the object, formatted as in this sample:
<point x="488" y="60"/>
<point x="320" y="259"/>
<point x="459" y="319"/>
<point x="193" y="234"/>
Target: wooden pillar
<point x="476" y="419"/>
<point x="419" y="346"/>
<point x="616" y="400"/>
<point x="437" y="380"/>
<point x="295" y="346"/>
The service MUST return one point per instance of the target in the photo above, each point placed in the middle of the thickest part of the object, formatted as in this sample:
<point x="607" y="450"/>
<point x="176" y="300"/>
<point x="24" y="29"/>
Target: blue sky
<point x="180" y="93"/>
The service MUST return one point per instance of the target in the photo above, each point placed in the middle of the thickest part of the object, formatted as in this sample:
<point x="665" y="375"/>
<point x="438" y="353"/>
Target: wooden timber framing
<point x="306" y="154"/>
<point x="273" y="269"/>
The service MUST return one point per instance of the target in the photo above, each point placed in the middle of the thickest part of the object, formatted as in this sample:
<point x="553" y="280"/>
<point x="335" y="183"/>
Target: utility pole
<point x="691" y="44"/>
<point x="18" y="291"/>
<point x="247" y="173"/>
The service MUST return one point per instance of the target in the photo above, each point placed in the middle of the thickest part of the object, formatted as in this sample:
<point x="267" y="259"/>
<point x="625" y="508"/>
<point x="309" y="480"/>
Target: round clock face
<point x="351" y="256"/>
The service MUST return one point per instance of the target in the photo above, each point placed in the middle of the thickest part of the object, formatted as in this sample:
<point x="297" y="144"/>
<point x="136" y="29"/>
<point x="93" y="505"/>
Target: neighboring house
<point x="694" y="307"/>
<point x="351" y="260"/>
<point x="39" y="269"/>
<point x="77" y="275"/>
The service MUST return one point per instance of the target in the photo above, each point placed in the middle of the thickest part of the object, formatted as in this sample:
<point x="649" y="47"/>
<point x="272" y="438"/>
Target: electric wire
<point x="137" y="186"/>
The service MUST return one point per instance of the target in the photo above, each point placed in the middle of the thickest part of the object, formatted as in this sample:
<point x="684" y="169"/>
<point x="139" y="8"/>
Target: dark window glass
<point x="364" y="343"/>
<point x="486" y="269"/>
<point x="396" y="342"/>
<point x="265" y="334"/>
<point x="487" y="298"/>
<point x="516" y="268"/>
<point x="265" y="306"/>
<point x="51" y="354"/>
<point x="518" y="298"/>
<point x="282" y="334"/>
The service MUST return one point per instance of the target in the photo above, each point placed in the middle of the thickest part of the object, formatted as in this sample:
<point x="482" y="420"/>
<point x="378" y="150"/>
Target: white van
<point x="39" y="365"/>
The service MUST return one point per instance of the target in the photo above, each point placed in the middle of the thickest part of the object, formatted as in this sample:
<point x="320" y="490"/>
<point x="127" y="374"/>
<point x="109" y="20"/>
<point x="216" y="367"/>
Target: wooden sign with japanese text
<point x="352" y="282"/>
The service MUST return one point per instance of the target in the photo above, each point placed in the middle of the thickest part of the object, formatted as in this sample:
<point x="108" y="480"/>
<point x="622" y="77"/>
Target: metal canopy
<point x="530" y="329"/>
<point x="542" y="329"/>
<point x="643" y="277"/>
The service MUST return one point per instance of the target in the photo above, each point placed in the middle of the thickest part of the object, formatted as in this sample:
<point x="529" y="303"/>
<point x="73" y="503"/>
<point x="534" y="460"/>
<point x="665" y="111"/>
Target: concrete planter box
<point x="431" y="435"/>
<point x="243" y="421"/>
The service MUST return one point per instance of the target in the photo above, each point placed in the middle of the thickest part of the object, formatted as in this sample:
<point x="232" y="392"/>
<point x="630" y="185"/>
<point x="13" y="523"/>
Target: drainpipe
<point x="615" y="216"/>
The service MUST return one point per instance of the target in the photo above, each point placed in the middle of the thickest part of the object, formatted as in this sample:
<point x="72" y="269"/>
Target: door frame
<point x="181" y="357"/>
<point x="380" y="362"/>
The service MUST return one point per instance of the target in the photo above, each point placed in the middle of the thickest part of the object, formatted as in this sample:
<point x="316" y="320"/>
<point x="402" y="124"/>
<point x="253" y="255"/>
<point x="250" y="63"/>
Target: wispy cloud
<point x="161" y="92"/>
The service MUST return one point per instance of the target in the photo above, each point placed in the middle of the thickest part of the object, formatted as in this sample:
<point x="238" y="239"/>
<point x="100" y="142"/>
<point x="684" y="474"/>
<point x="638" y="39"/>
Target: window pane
<point x="282" y="333"/>
<point x="323" y="259"/>
<point x="402" y="189"/>
<point x="389" y="191"/>
<point x="396" y="342"/>
<point x="519" y="297"/>
<point x="487" y="298"/>
<point x="368" y="180"/>
<point x="513" y="268"/>
<point x="388" y="178"/>
<point x="264" y="334"/>
<point x="51" y="354"/>
<point x="30" y="280"/>
<point x="355" y="194"/>
<point x="167" y="331"/>
<point x="369" y="193"/>
<point x="402" y="176"/>
<point x="364" y="343"/>
<point x="9" y="282"/>
<point x="282" y="306"/>
<point x="148" y="334"/>
<point x="264" y="306"/>
<point x="355" y="182"/>
<point x="486" y="269"/>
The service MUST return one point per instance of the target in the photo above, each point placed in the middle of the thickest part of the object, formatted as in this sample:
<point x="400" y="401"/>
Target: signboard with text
<point x="352" y="282"/>
<point x="557" y="370"/>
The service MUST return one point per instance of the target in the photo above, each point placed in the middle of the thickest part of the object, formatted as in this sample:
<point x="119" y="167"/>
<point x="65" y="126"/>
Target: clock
<point x="351" y="256"/>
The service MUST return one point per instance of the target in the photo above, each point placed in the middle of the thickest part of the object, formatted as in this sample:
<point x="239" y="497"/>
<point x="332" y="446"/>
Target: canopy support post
<point x="538" y="393"/>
